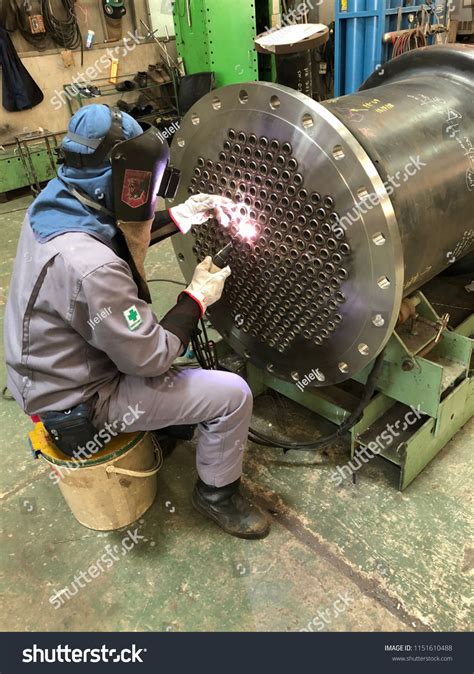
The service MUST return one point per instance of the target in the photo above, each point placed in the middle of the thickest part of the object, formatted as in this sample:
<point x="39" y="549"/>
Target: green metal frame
<point x="27" y="161"/>
<point x="211" y="42"/>
<point x="439" y="386"/>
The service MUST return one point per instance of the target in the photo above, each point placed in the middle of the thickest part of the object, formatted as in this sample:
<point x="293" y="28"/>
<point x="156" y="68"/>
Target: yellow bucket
<point x="113" y="488"/>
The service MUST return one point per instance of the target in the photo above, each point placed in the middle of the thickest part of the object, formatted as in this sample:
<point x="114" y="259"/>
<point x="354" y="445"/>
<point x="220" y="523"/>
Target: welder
<point x="81" y="338"/>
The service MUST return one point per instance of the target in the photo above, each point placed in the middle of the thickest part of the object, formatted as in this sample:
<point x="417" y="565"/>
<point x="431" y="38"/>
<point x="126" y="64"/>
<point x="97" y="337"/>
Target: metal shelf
<point x="108" y="89"/>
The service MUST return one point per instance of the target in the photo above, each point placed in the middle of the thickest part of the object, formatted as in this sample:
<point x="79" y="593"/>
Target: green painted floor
<point x="351" y="558"/>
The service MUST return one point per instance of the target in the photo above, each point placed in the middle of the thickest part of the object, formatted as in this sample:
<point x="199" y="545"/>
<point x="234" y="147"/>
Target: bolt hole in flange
<point x="307" y="121"/>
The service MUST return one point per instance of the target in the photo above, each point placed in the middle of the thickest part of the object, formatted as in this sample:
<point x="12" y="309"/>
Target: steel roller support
<point x="356" y="203"/>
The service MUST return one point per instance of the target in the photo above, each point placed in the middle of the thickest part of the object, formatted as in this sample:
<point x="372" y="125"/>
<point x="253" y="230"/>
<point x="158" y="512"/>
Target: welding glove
<point x="207" y="285"/>
<point x="201" y="207"/>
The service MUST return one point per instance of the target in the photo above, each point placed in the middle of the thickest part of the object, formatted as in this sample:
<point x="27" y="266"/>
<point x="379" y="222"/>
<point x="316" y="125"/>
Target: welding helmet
<point x="140" y="171"/>
<point x="138" y="161"/>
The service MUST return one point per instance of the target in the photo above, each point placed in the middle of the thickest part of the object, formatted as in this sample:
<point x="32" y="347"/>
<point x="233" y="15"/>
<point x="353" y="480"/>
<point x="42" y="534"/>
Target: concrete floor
<point x="396" y="561"/>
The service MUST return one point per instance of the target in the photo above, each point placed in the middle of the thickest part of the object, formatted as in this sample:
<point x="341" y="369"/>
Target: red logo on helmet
<point x="136" y="186"/>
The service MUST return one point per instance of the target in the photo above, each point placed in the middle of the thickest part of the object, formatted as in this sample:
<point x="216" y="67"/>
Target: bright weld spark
<point x="247" y="229"/>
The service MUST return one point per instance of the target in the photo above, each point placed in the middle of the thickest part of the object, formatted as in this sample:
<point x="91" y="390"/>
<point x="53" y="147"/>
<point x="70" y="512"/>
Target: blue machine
<point x="360" y="26"/>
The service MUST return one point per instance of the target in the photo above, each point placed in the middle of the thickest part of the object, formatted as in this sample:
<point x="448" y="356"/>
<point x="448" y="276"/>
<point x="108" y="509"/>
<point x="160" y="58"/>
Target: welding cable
<point x="197" y="343"/>
<point x="64" y="32"/>
<point x="165" y="280"/>
<point x="39" y="41"/>
<point x="202" y="351"/>
<point x="208" y="347"/>
<point x="369" y="390"/>
<point x="405" y="42"/>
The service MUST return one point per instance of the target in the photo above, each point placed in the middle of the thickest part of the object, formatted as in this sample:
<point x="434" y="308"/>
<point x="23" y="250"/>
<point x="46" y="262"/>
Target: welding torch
<point x="246" y="230"/>
<point x="220" y="259"/>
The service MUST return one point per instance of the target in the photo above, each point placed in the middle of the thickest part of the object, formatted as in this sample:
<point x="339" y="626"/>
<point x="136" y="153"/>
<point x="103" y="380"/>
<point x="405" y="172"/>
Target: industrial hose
<point x="65" y="32"/>
<point x="21" y="16"/>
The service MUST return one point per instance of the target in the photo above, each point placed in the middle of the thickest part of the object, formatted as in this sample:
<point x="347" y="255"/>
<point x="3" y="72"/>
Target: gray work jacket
<point x="74" y="324"/>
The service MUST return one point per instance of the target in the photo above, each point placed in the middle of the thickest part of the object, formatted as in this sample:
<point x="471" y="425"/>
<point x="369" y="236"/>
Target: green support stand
<point x="425" y="393"/>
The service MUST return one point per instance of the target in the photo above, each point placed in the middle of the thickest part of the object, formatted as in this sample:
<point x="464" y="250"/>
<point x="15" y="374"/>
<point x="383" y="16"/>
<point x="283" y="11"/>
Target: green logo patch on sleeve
<point x="133" y="318"/>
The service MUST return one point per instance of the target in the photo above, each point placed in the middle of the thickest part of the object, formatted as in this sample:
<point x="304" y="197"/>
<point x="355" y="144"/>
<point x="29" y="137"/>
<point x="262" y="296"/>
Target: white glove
<point x="207" y="285"/>
<point x="201" y="207"/>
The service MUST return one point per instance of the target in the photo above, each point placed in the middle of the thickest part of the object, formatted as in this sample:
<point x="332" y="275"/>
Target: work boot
<point x="141" y="78"/>
<point x="230" y="510"/>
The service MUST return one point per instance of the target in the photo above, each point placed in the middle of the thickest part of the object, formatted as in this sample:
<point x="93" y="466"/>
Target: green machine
<point x="218" y="36"/>
<point x="425" y="391"/>
<point x="28" y="160"/>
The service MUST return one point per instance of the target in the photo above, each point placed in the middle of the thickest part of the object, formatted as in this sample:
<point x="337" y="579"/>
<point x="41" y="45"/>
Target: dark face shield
<point x="140" y="174"/>
<point x="140" y="171"/>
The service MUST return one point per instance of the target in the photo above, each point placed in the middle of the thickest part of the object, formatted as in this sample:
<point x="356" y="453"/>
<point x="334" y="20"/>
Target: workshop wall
<point x="50" y="72"/>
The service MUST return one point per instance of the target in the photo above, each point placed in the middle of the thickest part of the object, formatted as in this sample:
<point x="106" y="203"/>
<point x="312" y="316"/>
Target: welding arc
<point x="351" y="420"/>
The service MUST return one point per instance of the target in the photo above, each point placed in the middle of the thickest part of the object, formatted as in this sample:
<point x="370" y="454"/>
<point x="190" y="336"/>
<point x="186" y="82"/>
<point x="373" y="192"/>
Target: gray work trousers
<point x="219" y="402"/>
